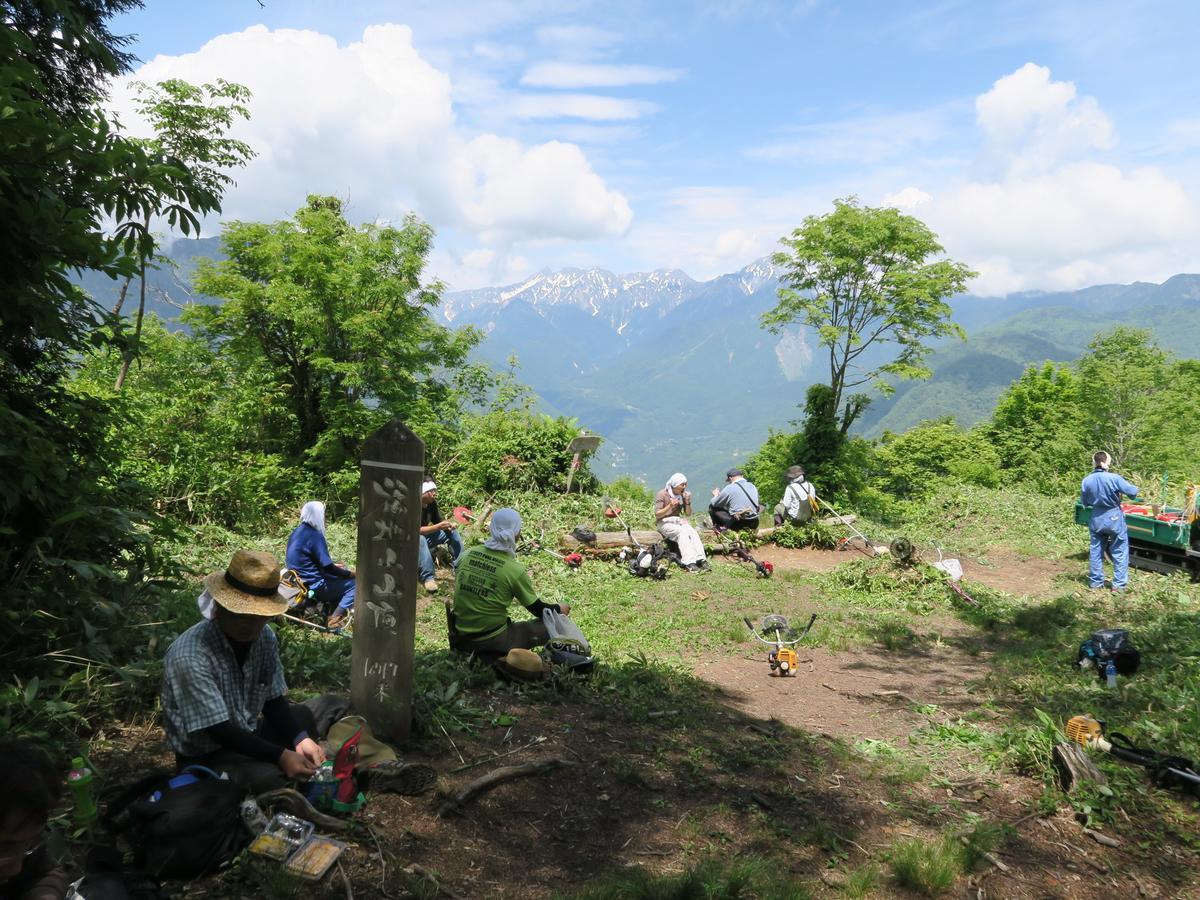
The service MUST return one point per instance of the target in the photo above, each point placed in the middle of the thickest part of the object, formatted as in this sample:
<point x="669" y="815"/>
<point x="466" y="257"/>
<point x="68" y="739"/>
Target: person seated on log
<point x="799" y="499"/>
<point x="330" y="584"/>
<point x="434" y="531"/>
<point x="30" y="787"/>
<point x="224" y="697"/>
<point x="736" y="505"/>
<point x="487" y="580"/>
<point x="671" y="504"/>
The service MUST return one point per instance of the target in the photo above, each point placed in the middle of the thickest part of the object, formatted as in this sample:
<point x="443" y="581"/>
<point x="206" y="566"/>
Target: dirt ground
<point x="734" y="763"/>
<point x="1003" y="570"/>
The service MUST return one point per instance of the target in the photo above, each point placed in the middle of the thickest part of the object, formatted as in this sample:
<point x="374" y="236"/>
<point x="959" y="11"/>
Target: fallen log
<point x="497" y="776"/>
<point x="613" y="540"/>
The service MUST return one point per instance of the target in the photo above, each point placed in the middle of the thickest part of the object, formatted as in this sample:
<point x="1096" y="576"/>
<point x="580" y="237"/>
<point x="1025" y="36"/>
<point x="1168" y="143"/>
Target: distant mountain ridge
<point x="678" y="375"/>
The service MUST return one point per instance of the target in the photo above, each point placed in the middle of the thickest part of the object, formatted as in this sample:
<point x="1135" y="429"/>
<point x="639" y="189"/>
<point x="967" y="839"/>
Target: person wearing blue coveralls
<point x="434" y="531"/>
<point x="1102" y="490"/>
<point x="308" y="555"/>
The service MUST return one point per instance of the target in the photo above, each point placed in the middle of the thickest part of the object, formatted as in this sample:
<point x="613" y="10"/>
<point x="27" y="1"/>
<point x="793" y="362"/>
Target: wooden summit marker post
<point x="385" y="615"/>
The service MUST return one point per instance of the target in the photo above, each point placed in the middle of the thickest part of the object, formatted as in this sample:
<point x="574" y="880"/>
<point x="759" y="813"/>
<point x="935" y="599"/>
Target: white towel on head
<point x="427" y="486"/>
<point x="207" y="605"/>
<point x="675" y="480"/>
<point x="504" y="526"/>
<point x="313" y="514"/>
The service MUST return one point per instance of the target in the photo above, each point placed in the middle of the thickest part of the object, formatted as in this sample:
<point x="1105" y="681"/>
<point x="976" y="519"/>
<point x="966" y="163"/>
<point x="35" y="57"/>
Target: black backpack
<point x="1110" y="644"/>
<point x="181" y="826"/>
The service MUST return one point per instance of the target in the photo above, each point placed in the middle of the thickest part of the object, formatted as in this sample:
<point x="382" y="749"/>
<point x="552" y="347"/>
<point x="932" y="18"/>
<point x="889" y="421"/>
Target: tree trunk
<point x="127" y="357"/>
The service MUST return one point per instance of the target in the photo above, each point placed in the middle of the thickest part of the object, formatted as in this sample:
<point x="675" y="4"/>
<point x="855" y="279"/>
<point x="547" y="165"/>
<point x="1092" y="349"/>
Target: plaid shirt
<point x="203" y="685"/>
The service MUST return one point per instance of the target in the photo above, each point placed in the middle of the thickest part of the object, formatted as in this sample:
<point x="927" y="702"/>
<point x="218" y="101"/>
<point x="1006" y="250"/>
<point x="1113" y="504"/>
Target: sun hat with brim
<point x="250" y="586"/>
<point x="521" y="665"/>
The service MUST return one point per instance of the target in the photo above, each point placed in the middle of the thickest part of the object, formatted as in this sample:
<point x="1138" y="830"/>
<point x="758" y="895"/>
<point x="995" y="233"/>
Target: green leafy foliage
<point x="77" y="563"/>
<point x="334" y="322"/>
<point x="861" y="277"/>
<point x="910" y="465"/>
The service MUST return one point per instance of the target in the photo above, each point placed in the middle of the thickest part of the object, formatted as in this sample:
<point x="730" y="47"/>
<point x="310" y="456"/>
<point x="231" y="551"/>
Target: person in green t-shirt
<point x="486" y="581"/>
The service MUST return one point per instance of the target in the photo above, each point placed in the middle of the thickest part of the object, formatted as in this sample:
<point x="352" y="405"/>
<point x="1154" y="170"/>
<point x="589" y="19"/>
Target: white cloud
<point x="907" y="198"/>
<point x="863" y="139"/>
<point x="1031" y="123"/>
<point x="373" y="121"/>
<point x="593" y="107"/>
<point x="559" y="74"/>
<point x="1041" y="211"/>
<point x="578" y="41"/>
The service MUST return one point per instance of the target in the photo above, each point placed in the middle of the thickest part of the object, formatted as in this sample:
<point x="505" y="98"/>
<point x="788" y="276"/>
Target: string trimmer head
<point x="781" y="637"/>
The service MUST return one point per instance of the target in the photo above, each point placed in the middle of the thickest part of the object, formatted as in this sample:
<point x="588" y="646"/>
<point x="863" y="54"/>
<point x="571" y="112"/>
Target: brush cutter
<point x="612" y="511"/>
<point x="737" y="550"/>
<point x="782" y="658"/>
<point x="868" y="547"/>
<point x="1166" y="771"/>
<point x="572" y="560"/>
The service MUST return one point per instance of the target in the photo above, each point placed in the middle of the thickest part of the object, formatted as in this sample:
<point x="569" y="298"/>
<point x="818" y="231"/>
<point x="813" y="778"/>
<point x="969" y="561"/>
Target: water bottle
<point x="81" y="784"/>
<point x="1111" y="673"/>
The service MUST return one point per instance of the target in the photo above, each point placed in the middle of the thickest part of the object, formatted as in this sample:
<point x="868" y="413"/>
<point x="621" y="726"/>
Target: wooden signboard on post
<point x="584" y="443"/>
<point x="385" y="617"/>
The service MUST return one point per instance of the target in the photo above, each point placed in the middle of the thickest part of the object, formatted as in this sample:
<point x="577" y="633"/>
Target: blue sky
<point x="1051" y="145"/>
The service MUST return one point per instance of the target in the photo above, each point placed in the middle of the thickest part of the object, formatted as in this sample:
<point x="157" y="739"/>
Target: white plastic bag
<point x="561" y="628"/>
<point x="951" y="567"/>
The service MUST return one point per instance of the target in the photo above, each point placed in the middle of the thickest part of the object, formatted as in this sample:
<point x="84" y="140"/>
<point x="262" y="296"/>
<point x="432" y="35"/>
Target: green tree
<point x="190" y="123"/>
<point x="911" y="464"/>
<point x="336" y="321"/>
<point x="1037" y="427"/>
<point x="73" y="560"/>
<point x="1123" y="377"/>
<point x="863" y="279"/>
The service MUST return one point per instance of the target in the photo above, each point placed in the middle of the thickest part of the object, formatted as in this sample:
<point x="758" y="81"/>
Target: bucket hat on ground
<point x="521" y="665"/>
<point x="250" y="585"/>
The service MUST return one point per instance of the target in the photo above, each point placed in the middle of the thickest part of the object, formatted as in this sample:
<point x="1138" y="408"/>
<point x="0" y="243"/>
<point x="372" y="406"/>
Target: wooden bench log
<point x="613" y="540"/>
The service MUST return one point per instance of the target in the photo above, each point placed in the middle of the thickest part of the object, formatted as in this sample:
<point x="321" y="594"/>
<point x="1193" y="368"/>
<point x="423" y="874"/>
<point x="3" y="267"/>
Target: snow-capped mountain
<point x="617" y="300"/>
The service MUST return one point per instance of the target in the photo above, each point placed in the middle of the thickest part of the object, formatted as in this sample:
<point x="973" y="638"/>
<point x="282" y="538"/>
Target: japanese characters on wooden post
<point x="381" y="680"/>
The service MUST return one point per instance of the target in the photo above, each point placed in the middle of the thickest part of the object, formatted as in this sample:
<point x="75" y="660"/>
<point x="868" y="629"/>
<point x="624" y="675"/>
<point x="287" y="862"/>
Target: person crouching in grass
<point x="224" y="696"/>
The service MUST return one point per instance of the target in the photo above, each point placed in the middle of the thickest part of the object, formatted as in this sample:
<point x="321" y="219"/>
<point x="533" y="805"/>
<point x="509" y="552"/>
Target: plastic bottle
<point x="1111" y="673"/>
<point x="81" y="784"/>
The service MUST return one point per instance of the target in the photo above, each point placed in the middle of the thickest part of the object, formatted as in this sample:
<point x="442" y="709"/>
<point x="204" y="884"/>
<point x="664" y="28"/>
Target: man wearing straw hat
<point x="224" y="672"/>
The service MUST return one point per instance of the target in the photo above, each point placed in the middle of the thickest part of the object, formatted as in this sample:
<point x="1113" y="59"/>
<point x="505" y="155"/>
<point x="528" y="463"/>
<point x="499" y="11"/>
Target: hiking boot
<point x="337" y="620"/>
<point x="703" y="565"/>
<point x="396" y="777"/>
<point x="430" y="586"/>
<point x="692" y="567"/>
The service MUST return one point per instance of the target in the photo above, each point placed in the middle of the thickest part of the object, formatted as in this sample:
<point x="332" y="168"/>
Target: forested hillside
<point x="675" y="374"/>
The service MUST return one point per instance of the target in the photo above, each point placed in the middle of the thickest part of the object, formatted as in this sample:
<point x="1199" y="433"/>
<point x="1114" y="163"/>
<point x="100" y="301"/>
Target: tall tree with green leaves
<point x="190" y="125"/>
<point x="71" y="555"/>
<point x="869" y="283"/>
<point x="337" y="320"/>
<point x="1123" y="378"/>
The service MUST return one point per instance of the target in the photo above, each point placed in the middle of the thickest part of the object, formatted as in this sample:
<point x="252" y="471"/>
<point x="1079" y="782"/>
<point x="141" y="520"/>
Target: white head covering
<point x="427" y="486"/>
<point x="675" y="480"/>
<point x="504" y="526"/>
<point x="313" y="514"/>
<point x="208" y="606"/>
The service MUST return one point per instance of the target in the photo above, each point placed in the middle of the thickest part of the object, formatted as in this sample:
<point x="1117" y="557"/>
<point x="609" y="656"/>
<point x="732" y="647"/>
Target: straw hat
<point x="521" y="665"/>
<point x="250" y="586"/>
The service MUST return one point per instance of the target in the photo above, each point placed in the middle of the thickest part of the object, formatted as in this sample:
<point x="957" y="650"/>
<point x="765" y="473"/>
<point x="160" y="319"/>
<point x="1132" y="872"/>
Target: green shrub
<point x="912" y="464"/>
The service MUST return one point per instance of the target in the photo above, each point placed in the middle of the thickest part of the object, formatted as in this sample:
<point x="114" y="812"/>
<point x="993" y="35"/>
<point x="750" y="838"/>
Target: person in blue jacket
<point x="1102" y="490"/>
<point x="308" y="555"/>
